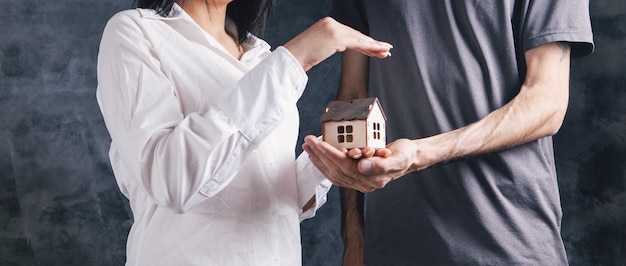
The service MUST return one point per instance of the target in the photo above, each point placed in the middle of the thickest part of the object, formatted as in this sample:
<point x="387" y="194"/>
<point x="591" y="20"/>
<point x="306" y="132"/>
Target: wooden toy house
<point x="356" y="124"/>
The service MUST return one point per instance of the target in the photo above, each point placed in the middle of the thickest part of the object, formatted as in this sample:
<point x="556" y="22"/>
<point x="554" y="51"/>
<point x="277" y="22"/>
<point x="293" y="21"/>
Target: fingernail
<point x="356" y="156"/>
<point x="369" y="153"/>
<point x="386" y="44"/>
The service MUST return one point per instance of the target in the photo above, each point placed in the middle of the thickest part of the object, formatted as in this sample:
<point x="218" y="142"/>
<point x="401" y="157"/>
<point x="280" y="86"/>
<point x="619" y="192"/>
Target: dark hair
<point x="248" y="15"/>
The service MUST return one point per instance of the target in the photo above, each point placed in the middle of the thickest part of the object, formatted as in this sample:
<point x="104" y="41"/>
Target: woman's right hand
<point x="326" y="37"/>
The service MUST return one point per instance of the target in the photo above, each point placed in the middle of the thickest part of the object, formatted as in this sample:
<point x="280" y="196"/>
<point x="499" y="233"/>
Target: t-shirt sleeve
<point x="351" y="13"/>
<point x="561" y="20"/>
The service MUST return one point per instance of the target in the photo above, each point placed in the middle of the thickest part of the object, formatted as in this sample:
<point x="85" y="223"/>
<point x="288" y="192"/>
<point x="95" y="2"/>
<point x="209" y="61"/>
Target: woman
<point x="203" y="121"/>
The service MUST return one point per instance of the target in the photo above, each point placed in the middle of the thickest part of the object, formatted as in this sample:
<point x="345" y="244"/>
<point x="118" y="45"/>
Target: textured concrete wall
<point x="59" y="204"/>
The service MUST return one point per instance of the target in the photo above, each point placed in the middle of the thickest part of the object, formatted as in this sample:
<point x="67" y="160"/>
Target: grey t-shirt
<point x="455" y="61"/>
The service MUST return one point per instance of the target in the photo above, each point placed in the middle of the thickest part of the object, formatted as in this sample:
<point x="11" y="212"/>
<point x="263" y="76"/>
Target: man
<point x="473" y="93"/>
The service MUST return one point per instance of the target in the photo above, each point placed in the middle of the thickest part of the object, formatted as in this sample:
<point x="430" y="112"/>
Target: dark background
<point x="59" y="203"/>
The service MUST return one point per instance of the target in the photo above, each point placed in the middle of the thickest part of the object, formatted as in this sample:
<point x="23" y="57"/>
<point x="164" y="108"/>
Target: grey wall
<point x="591" y="146"/>
<point x="59" y="204"/>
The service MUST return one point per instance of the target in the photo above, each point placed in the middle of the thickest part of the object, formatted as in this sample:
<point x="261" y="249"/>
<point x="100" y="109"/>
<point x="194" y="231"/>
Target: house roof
<point x="357" y="109"/>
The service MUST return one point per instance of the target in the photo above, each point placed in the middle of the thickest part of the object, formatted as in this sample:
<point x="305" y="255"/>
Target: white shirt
<point x="203" y="144"/>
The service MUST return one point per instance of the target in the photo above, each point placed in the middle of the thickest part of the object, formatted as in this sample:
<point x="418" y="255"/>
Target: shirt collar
<point x="254" y="46"/>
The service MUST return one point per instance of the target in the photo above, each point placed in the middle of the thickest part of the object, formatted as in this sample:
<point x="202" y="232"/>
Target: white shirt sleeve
<point x="174" y="156"/>
<point x="311" y="183"/>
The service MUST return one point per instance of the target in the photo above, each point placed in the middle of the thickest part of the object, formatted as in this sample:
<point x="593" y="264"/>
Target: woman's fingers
<point x="326" y="37"/>
<point x="368" y="152"/>
<point x="355" y="153"/>
<point x="383" y="153"/>
<point x="336" y="165"/>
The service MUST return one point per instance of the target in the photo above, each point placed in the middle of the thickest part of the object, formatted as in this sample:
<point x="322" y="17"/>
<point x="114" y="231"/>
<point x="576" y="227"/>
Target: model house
<point x="356" y="124"/>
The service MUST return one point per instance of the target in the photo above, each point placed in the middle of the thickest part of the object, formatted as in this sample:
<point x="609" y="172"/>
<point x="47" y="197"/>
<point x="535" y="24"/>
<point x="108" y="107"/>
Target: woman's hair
<point x="249" y="16"/>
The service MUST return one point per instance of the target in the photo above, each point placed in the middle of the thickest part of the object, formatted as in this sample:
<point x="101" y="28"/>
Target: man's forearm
<point x="537" y="111"/>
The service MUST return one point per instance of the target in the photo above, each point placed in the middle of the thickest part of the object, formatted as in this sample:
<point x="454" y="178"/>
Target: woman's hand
<point x="326" y="37"/>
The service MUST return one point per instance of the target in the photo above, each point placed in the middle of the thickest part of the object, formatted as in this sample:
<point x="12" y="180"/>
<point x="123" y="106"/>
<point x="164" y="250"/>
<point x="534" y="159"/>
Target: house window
<point x="344" y="134"/>
<point x="376" y="130"/>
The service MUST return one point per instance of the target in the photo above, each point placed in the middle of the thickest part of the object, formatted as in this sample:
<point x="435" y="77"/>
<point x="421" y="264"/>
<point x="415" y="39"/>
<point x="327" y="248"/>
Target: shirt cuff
<point x="293" y="63"/>
<point x="311" y="183"/>
<point x="271" y="88"/>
